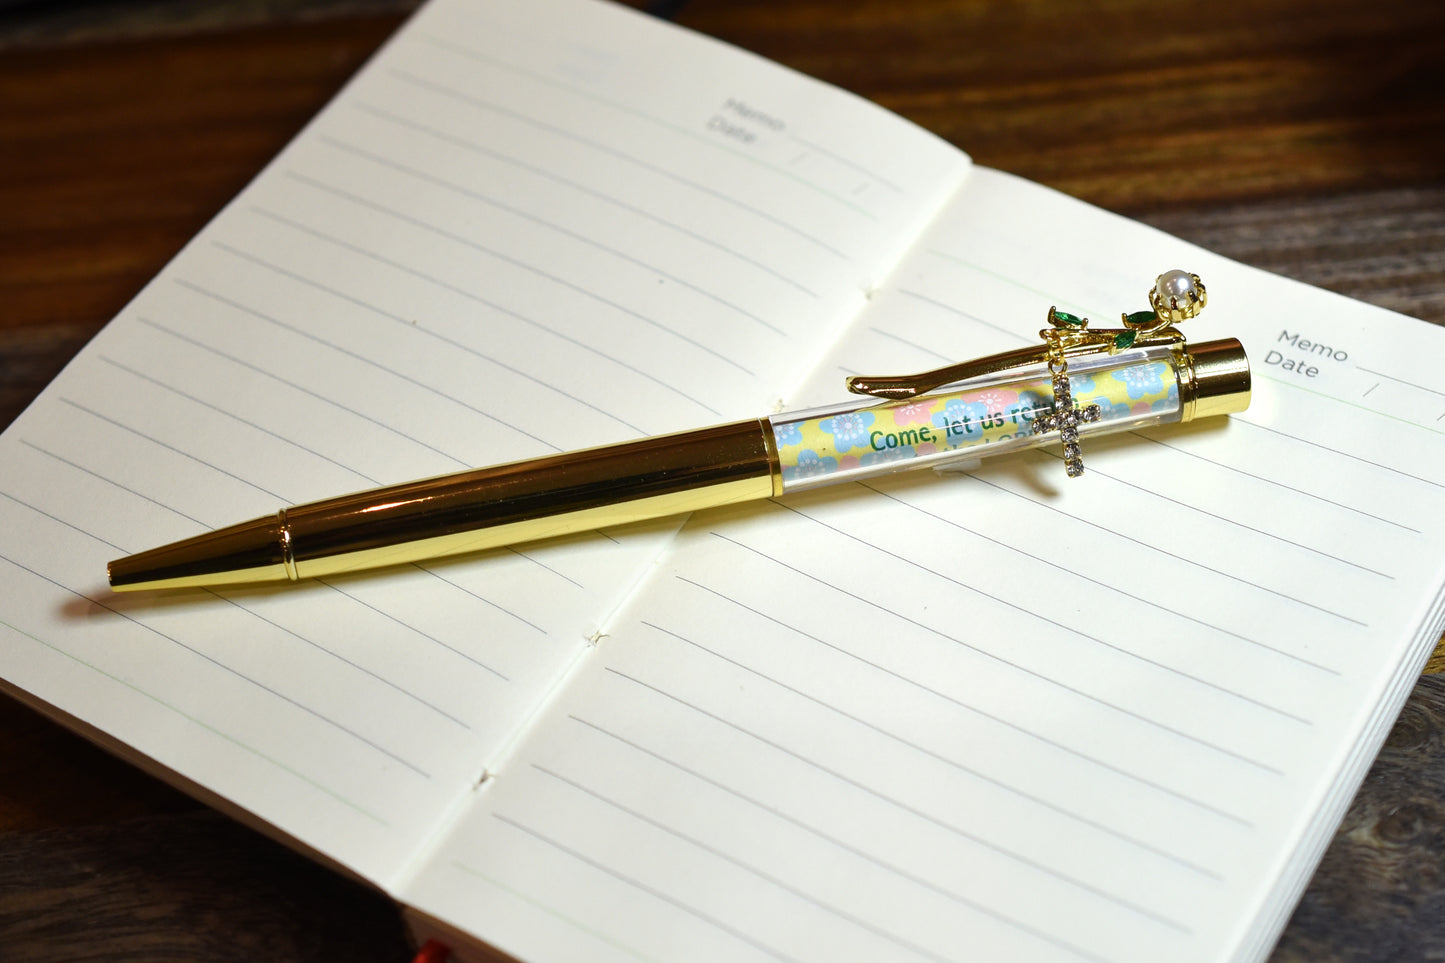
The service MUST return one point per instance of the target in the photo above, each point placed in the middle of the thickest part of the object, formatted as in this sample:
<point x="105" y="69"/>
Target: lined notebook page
<point x="524" y="228"/>
<point x="1003" y="715"/>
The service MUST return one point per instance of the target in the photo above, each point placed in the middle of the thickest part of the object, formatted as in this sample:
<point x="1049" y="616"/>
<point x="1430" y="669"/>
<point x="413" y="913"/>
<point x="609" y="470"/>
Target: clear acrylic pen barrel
<point x="985" y="417"/>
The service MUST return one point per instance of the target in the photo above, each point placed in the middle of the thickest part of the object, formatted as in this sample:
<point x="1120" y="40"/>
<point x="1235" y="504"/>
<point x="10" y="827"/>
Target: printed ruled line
<point x="939" y="757"/>
<point x="1155" y="723"/>
<point x="551" y="911"/>
<point x="412" y="325"/>
<point x="491" y="107"/>
<point x="900" y="339"/>
<point x="193" y="720"/>
<point x="112" y="482"/>
<point x="1271" y="481"/>
<point x="482" y="598"/>
<point x="1230" y="521"/>
<point x="519" y="163"/>
<point x="1016" y="727"/>
<point x="631" y="111"/>
<point x="1180" y="558"/>
<point x="814" y="831"/>
<point x="301" y="389"/>
<point x="419" y="700"/>
<point x="505" y="258"/>
<point x="536" y="561"/>
<point x="1013" y="282"/>
<point x="956" y="312"/>
<point x="838" y="158"/>
<point x="1390" y="377"/>
<point x="60" y="521"/>
<point x="233" y="416"/>
<point x="754" y="871"/>
<point x="414" y="630"/>
<point x="357" y="356"/>
<point x="478" y="299"/>
<point x="1237" y="419"/>
<point x="1351" y="404"/>
<point x="301" y="706"/>
<point x="171" y="448"/>
<point x="1073" y="574"/>
<point x="652" y="891"/>
<point x="901" y="806"/>
<point x="517" y="212"/>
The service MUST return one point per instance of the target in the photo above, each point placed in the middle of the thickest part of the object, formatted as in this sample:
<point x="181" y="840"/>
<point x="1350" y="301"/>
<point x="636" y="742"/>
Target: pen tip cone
<point x="249" y="552"/>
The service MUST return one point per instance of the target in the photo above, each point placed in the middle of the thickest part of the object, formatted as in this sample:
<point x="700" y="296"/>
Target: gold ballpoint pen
<point x="1143" y="373"/>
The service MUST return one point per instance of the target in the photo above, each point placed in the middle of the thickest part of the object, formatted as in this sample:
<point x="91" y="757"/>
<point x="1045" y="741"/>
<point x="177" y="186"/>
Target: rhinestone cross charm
<point x="1065" y="419"/>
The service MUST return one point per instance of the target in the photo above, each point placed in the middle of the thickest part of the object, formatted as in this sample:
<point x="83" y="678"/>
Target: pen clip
<point x="1176" y="296"/>
<point x="897" y="387"/>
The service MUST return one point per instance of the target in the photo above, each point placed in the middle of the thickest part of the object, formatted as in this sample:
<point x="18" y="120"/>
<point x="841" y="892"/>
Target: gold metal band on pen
<point x="288" y="554"/>
<point x="1213" y="379"/>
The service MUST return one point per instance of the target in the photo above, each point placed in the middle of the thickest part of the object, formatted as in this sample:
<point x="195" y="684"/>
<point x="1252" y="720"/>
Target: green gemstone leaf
<point x="1142" y="317"/>
<point x="1073" y="320"/>
<point x="1125" y="339"/>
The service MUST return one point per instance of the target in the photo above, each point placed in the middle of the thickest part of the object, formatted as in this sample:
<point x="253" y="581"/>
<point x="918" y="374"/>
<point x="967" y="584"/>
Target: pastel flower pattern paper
<point x="1143" y="379"/>
<point x="809" y="464"/>
<point x="916" y="413"/>
<point x="788" y="433"/>
<point x="849" y="430"/>
<point x="887" y="455"/>
<point x="1109" y="409"/>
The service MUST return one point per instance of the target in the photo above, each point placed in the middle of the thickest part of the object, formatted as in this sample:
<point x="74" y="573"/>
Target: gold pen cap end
<point x="255" y="551"/>
<point x="1219" y="382"/>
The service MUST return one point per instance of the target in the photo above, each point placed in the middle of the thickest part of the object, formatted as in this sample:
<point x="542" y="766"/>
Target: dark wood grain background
<point x="1303" y="137"/>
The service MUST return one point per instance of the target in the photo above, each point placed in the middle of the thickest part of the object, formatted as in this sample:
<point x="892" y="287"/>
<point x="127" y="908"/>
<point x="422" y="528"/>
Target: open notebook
<point x="996" y="715"/>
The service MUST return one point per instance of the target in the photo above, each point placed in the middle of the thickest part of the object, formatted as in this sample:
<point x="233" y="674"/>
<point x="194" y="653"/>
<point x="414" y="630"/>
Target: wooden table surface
<point x="1302" y="136"/>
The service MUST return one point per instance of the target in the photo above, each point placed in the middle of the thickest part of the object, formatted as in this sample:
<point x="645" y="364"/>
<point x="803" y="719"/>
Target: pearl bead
<point x="1177" y="288"/>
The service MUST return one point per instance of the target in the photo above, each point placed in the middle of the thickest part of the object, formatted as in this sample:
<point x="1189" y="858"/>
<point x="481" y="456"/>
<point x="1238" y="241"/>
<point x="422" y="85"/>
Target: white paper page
<point x="518" y="231"/>
<point x="1004" y="715"/>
